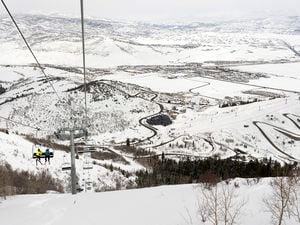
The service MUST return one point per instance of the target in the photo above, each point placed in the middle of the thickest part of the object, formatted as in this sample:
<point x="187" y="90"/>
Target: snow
<point x="193" y="119"/>
<point x="154" y="81"/>
<point x="285" y="83"/>
<point x="18" y="153"/>
<point x="111" y="43"/>
<point x="165" y="205"/>
<point x="161" y="83"/>
<point x="9" y="74"/>
<point x="290" y="70"/>
<point x="125" y="95"/>
<point x="281" y="75"/>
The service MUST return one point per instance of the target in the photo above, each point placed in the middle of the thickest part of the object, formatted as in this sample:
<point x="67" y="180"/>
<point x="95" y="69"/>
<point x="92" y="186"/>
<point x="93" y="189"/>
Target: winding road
<point x="201" y="86"/>
<point x="293" y="121"/>
<point x="281" y="130"/>
<point x="287" y="133"/>
<point x="143" y="122"/>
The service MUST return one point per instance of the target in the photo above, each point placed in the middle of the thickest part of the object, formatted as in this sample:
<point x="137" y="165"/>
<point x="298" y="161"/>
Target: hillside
<point x="219" y="89"/>
<point x="165" y="205"/>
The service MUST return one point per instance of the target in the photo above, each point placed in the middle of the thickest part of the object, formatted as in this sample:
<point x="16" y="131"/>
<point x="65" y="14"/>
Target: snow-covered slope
<point x="167" y="205"/>
<point x="32" y="101"/>
<point x="18" y="152"/>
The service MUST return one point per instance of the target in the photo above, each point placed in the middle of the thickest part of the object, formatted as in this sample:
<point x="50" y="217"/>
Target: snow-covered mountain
<point x="225" y="89"/>
<point x="57" y="40"/>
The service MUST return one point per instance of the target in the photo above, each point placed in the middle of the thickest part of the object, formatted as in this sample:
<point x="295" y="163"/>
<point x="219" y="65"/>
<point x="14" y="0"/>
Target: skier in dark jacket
<point x="47" y="156"/>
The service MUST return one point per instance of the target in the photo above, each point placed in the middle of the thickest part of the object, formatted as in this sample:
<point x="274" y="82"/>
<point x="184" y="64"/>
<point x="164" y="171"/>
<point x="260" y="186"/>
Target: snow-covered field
<point x="290" y="70"/>
<point x="166" y="205"/>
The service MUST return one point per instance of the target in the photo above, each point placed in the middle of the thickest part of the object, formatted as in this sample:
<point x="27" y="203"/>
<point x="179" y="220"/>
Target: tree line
<point x="210" y="170"/>
<point x="24" y="182"/>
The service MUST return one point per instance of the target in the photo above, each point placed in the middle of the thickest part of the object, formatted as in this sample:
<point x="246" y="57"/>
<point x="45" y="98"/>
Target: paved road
<point x="271" y="142"/>
<point x="170" y="154"/>
<point x="291" y="48"/>
<point x="143" y="122"/>
<point x="293" y="121"/>
<point x="201" y="86"/>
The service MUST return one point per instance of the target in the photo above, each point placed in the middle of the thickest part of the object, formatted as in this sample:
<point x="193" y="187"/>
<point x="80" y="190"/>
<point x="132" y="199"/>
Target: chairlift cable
<point x="34" y="56"/>
<point x="25" y="125"/>
<point x="28" y="46"/>
<point x="42" y="69"/>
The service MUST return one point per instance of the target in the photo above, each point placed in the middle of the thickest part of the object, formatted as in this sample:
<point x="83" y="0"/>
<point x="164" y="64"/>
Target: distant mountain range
<point x="57" y="40"/>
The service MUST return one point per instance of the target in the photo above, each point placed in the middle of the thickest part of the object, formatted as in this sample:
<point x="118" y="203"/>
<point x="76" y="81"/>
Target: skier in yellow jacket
<point x="38" y="155"/>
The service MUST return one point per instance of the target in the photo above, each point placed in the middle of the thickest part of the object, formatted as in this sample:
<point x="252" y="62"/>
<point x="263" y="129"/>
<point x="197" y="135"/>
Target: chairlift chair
<point x="65" y="165"/>
<point x="89" y="188"/>
<point x="34" y="149"/>
<point x="88" y="185"/>
<point x="87" y="149"/>
<point x="88" y="167"/>
<point x="64" y="134"/>
<point x="88" y="182"/>
<point x="87" y="164"/>
<point x="37" y="146"/>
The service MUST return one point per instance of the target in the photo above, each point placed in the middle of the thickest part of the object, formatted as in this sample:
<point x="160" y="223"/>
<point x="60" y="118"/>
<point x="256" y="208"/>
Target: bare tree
<point x="211" y="203"/>
<point x="220" y="205"/>
<point x="230" y="209"/>
<point x="282" y="201"/>
<point x="295" y="201"/>
<point x="203" y="211"/>
<point x="295" y="198"/>
<point x="188" y="219"/>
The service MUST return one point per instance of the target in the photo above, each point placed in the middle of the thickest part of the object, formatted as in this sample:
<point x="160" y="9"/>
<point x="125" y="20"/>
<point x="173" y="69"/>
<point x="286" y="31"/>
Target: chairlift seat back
<point x="43" y="155"/>
<point x="87" y="149"/>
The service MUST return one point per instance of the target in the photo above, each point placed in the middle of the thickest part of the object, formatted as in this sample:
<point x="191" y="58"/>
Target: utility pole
<point x="83" y="64"/>
<point x="70" y="134"/>
<point x="73" y="167"/>
<point x="84" y="79"/>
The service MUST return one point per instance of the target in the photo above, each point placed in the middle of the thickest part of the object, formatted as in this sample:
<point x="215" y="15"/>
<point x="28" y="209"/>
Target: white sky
<point x="157" y="10"/>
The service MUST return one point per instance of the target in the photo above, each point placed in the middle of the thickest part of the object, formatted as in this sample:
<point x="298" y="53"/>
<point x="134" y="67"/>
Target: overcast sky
<point x="157" y="10"/>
